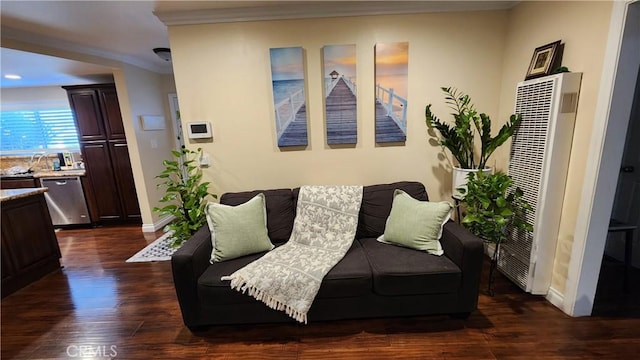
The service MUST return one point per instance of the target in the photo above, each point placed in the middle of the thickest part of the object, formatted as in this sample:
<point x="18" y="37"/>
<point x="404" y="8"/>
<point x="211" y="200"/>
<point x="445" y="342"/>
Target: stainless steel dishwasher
<point x="66" y="201"/>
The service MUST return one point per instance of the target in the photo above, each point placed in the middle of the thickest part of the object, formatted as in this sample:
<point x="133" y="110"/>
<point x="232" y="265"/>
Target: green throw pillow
<point x="238" y="230"/>
<point x="416" y="224"/>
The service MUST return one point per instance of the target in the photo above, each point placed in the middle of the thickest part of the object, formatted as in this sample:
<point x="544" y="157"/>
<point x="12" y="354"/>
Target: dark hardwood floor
<point x="99" y="306"/>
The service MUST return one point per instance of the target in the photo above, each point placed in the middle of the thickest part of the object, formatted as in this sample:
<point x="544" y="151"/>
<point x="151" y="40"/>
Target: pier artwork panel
<point x="391" y="79"/>
<point x="289" y="99"/>
<point x="339" y="65"/>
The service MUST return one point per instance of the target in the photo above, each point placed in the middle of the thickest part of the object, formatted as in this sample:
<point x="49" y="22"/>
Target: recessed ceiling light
<point x="13" y="77"/>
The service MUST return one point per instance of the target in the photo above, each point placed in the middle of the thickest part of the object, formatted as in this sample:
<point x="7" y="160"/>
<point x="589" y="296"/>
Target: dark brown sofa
<point x="372" y="280"/>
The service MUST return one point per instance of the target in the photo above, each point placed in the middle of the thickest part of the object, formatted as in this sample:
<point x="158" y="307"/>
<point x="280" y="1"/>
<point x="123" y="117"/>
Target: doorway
<point x="613" y="296"/>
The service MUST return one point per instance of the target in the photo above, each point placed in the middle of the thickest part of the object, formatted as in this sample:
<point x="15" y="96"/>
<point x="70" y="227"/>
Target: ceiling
<point x="127" y="31"/>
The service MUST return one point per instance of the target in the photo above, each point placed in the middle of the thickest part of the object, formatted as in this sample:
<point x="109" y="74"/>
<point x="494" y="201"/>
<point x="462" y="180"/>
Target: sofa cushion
<point x="416" y="224"/>
<point x="213" y="291"/>
<point x="402" y="271"/>
<point x="350" y="277"/>
<point x="280" y="210"/>
<point x="238" y="230"/>
<point x="376" y="205"/>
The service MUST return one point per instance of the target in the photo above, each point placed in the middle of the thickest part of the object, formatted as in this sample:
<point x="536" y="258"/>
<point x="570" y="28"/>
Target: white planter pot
<point x="460" y="179"/>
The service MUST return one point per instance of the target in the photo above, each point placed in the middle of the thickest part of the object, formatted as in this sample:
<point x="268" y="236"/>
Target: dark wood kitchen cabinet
<point x="104" y="201"/>
<point x="124" y="177"/>
<point x="29" y="245"/>
<point x="18" y="183"/>
<point x="109" y="185"/>
<point x="97" y="112"/>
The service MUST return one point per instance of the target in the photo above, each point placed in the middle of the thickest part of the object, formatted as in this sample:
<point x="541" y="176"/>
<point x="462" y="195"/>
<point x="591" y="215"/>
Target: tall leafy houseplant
<point x="494" y="209"/>
<point x="185" y="195"/>
<point x="460" y="137"/>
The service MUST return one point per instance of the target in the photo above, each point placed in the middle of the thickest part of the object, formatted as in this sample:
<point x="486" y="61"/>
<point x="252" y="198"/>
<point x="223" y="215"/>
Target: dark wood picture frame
<point x="543" y="60"/>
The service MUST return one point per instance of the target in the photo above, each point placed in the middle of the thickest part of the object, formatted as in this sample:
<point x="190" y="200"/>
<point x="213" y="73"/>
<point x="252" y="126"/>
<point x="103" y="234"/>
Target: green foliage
<point x="494" y="207"/>
<point x="459" y="138"/>
<point x="185" y="195"/>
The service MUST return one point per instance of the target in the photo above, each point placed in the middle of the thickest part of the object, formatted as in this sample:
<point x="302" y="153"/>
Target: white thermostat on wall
<point x="199" y="130"/>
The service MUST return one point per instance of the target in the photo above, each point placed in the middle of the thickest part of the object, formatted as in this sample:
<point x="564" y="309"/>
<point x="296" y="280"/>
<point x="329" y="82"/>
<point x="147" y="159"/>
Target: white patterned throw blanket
<point x="288" y="277"/>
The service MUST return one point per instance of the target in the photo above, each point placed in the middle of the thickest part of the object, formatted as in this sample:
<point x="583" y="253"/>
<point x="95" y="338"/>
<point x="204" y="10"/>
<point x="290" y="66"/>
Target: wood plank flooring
<point x="99" y="306"/>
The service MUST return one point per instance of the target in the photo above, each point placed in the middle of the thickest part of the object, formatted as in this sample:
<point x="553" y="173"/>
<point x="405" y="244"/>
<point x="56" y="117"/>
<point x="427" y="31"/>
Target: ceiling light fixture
<point x="163" y="53"/>
<point x="12" y="77"/>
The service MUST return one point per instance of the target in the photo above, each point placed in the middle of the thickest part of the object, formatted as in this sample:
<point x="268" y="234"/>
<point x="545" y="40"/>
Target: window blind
<point x="38" y="130"/>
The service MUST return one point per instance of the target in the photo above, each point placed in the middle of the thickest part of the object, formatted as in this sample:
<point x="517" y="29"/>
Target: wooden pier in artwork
<point x="291" y="120"/>
<point x="390" y="127"/>
<point x="295" y="133"/>
<point x="341" y="116"/>
<point x="341" y="113"/>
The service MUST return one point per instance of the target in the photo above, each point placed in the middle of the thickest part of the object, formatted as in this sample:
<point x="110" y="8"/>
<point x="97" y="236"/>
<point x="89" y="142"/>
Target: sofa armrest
<point x="188" y="263"/>
<point x="466" y="251"/>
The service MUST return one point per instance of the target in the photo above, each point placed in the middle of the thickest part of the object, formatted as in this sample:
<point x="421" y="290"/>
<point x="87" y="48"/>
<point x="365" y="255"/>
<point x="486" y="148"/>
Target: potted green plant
<point x="460" y="137"/>
<point x="185" y="195"/>
<point x="494" y="209"/>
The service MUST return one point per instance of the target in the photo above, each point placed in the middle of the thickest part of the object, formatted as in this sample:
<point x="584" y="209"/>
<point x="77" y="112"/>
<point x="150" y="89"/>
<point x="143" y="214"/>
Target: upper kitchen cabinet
<point x="111" y="112"/>
<point x="97" y="111"/>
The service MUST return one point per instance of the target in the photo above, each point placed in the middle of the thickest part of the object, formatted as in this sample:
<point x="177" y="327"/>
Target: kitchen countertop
<point x="11" y="194"/>
<point x="46" y="173"/>
<point x="51" y="173"/>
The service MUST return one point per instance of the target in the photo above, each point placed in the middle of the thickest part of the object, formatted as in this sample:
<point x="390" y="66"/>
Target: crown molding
<point x="63" y="45"/>
<point x="317" y="9"/>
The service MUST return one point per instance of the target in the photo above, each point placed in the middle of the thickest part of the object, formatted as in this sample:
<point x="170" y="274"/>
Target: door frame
<point x="174" y="107"/>
<point x="615" y="98"/>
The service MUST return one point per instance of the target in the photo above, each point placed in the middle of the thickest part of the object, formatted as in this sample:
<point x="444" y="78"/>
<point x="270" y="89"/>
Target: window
<point x="38" y="130"/>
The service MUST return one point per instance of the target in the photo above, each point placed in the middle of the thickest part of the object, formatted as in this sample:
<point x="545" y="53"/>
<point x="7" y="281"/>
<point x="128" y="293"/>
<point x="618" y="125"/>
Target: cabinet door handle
<point x="61" y="183"/>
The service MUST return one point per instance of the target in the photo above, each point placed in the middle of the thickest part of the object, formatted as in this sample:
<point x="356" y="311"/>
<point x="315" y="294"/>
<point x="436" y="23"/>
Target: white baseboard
<point x="148" y="228"/>
<point x="556" y="298"/>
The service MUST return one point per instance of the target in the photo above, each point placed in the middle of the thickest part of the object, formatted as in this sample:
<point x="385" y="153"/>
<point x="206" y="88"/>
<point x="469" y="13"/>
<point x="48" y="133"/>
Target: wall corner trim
<point x="153" y="227"/>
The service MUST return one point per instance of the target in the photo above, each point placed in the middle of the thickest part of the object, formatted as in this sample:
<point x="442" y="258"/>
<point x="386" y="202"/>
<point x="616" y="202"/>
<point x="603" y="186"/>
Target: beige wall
<point x="583" y="28"/>
<point x="223" y="76"/>
<point x="142" y="92"/>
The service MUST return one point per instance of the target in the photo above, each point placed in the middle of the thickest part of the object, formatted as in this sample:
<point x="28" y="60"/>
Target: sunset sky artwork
<point x="286" y="64"/>
<point x="289" y="99"/>
<point x="391" y="89"/>
<point x="341" y="100"/>
<point x="392" y="58"/>
<point x="341" y="58"/>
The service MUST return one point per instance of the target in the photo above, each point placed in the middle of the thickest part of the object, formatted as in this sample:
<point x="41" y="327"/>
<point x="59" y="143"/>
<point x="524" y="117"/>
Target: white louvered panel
<point x="541" y="136"/>
<point x="525" y="167"/>
<point x="513" y="268"/>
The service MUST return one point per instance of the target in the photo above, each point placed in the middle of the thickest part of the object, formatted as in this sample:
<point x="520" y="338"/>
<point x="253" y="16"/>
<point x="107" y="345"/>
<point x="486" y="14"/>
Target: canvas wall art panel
<point x="288" y="82"/>
<point x="391" y="70"/>
<point x="339" y="62"/>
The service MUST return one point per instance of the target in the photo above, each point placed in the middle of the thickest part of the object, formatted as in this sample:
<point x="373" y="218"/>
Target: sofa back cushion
<point x="280" y="210"/>
<point x="376" y="205"/>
